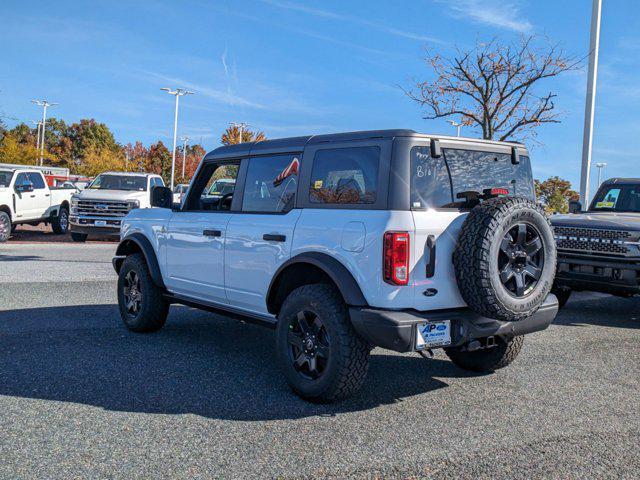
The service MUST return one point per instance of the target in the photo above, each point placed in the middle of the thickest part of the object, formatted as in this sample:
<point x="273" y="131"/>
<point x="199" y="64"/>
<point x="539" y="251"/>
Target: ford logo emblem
<point x="441" y="327"/>
<point x="102" y="207"/>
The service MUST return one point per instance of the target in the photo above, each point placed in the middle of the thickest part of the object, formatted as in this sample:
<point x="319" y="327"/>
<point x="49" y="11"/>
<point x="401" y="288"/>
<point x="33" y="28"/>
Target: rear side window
<point x="345" y="175"/>
<point x="271" y="184"/>
<point x="430" y="184"/>
<point x="36" y="179"/>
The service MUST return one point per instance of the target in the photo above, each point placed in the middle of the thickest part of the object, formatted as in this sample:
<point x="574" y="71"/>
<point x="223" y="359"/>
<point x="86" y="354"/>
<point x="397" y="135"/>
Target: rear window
<point x="5" y="178"/>
<point x="345" y="175"/>
<point x="271" y="184"/>
<point x="435" y="183"/>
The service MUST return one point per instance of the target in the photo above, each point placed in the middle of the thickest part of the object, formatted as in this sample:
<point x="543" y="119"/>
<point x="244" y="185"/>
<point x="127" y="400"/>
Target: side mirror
<point x="25" y="186"/>
<point x="575" y="206"/>
<point x="161" y="197"/>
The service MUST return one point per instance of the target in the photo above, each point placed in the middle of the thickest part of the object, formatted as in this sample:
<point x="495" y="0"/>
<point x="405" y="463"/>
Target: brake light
<point x="499" y="191"/>
<point x="396" y="258"/>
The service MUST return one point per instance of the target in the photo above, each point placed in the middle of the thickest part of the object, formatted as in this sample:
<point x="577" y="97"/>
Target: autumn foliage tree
<point x="493" y="87"/>
<point x="231" y="136"/>
<point x="555" y="194"/>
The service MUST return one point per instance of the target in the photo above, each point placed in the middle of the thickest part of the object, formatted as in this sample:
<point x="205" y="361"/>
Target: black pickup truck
<point x="599" y="249"/>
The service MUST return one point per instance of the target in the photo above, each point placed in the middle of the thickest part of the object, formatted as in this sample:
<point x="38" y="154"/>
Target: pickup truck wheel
<point x="323" y="358"/>
<point x="142" y="307"/>
<point x="505" y="258"/>
<point x="5" y="227"/>
<point x="78" y="237"/>
<point x="60" y="223"/>
<point x="489" y="359"/>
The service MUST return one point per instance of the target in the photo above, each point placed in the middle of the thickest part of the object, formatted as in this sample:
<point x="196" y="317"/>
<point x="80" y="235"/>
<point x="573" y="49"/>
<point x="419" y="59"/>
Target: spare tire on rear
<point x="505" y="258"/>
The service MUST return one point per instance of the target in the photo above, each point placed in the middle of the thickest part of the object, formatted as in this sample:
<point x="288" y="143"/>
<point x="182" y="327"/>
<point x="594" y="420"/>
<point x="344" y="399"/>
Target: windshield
<point x="5" y="178"/>
<point x="436" y="182"/>
<point x="617" y="198"/>
<point x="222" y="187"/>
<point x="119" y="182"/>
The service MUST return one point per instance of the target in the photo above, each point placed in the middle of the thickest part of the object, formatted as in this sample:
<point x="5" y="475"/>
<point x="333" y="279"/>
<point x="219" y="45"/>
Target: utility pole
<point x="241" y="127"/>
<point x="38" y="123"/>
<point x="178" y="92"/>
<point x="600" y="166"/>
<point x="184" y="140"/>
<point x="457" y="125"/>
<point x="44" y="104"/>
<point x="589" y="111"/>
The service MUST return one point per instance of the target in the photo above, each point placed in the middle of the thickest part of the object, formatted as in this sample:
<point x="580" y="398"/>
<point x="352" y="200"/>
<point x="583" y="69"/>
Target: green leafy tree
<point x="555" y="194"/>
<point x="90" y="134"/>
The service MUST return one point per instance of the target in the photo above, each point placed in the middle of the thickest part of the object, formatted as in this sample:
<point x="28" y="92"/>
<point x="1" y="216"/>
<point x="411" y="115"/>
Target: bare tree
<point x="492" y="86"/>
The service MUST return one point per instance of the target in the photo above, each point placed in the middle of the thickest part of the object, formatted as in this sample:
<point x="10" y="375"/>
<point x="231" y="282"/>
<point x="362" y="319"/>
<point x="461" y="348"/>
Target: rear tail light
<point x="396" y="258"/>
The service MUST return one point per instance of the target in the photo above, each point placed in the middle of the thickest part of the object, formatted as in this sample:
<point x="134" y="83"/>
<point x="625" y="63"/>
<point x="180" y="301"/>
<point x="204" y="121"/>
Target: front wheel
<point x="487" y="359"/>
<point x="142" y="307"/>
<point x="5" y="227"/>
<point x="323" y="358"/>
<point x="60" y="223"/>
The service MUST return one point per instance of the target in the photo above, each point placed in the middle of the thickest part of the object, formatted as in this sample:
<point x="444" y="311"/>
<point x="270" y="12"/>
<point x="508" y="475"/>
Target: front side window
<point x="617" y="198"/>
<point x="345" y="175"/>
<point x="5" y="178"/>
<point x="36" y="179"/>
<point x="119" y="182"/>
<point x="271" y="184"/>
<point x="430" y="184"/>
<point x="213" y="188"/>
<point x="21" y="179"/>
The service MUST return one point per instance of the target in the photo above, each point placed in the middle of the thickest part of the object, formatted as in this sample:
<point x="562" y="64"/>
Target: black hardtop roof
<point x="633" y="181"/>
<point x="297" y="144"/>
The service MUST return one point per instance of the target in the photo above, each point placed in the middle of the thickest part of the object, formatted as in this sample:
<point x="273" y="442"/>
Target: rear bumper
<point x="396" y="329"/>
<point x="601" y="274"/>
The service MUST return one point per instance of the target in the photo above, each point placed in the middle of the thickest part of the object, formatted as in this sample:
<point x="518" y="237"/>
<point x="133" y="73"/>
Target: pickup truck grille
<point x="98" y="208"/>
<point x="592" y="240"/>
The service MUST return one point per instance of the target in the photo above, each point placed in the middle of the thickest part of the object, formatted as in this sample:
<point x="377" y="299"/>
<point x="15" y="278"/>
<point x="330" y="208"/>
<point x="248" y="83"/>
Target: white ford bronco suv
<point x="99" y="209"/>
<point x="348" y="241"/>
<point x="25" y="198"/>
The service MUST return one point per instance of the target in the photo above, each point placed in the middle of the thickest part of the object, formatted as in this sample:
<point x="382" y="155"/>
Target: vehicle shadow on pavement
<point x="605" y="311"/>
<point x="19" y="258"/>
<point x="199" y="363"/>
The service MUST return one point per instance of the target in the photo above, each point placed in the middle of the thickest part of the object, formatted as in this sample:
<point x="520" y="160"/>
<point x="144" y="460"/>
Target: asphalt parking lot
<point x="81" y="397"/>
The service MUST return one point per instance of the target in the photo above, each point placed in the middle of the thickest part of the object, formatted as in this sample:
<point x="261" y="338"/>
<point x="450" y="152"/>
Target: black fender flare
<point x="138" y="242"/>
<point x="334" y="269"/>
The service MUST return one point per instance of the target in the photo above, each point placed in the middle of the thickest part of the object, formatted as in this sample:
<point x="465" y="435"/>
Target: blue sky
<point x="297" y="67"/>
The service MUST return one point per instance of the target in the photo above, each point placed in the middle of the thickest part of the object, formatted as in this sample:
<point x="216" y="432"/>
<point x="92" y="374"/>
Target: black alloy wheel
<point x="521" y="259"/>
<point x="308" y="343"/>
<point x="132" y="293"/>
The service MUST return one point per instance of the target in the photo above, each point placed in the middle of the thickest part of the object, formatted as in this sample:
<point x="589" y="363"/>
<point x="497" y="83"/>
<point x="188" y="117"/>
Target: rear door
<point x="259" y="237"/>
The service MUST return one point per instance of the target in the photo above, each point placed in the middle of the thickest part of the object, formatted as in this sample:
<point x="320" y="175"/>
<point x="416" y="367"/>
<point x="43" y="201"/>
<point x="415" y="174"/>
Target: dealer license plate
<point x="100" y="223"/>
<point x="433" y="334"/>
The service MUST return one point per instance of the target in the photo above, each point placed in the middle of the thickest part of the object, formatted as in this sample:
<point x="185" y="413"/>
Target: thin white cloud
<point x="503" y="14"/>
<point x="348" y="18"/>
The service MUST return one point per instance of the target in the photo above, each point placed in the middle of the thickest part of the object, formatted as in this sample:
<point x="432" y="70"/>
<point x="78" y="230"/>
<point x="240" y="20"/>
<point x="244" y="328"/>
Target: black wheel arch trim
<point x="143" y="243"/>
<point x="338" y="273"/>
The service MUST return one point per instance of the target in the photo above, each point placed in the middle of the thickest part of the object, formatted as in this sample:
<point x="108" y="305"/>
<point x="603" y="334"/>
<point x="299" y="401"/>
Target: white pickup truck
<point x="100" y="208"/>
<point x="25" y="198"/>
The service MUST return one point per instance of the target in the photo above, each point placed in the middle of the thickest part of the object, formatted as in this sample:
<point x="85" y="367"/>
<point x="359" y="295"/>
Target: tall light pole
<point x="178" y="92"/>
<point x="38" y="123"/>
<point x="241" y="127"/>
<point x="44" y="104"/>
<point x="184" y="141"/>
<point x="600" y="166"/>
<point x="457" y="125"/>
<point x="587" y="139"/>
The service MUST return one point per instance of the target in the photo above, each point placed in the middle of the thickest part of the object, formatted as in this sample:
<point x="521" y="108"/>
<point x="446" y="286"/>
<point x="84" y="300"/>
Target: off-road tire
<point x="487" y="360"/>
<point x="562" y="294"/>
<point x="477" y="251"/>
<point x="5" y="227"/>
<point x="348" y="361"/>
<point x="78" y="237"/>
<point x="60" y="223"/>
<point x="153" y="309"/>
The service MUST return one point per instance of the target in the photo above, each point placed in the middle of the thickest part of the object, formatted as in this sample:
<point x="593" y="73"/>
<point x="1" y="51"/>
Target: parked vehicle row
<point x="344" y="242"/>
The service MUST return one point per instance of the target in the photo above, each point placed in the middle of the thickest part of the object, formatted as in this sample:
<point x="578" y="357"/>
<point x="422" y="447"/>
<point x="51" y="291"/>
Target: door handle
<point x="33" y="196"/>
<point x="47" y="194"/>
<point x="271" y="237"/>
<point x="212" y="233"/>
<point x="431" y="247"/>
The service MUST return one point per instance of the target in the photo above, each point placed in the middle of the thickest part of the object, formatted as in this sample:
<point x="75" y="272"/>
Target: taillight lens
<point x="396" y="258"/>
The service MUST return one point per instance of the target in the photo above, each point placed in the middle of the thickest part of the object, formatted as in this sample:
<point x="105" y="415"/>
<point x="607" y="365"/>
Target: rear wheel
<point x="78" y="237"/>
<point x="5" y="227"/>
<point x="142" y="307"/>
<point x="60" y="223"/>
<point x="323" y="358"/>
<point x="487" y="359"/>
